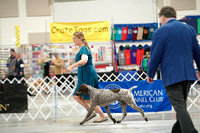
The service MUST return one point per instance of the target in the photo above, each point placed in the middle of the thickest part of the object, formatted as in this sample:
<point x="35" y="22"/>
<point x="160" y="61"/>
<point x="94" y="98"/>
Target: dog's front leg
<point x="123" y="106"/>
<point x="88" y="114"/>
<point x="109" y="115"/>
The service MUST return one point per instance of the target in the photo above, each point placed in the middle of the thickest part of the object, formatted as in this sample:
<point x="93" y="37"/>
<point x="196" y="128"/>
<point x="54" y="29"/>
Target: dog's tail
<point x="133" y="87"/>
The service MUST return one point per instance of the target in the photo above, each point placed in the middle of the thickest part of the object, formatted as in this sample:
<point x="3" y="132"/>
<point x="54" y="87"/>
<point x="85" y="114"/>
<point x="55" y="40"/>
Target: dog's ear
<point x="80" y="87"/>
<point x="84" y="89"/>
<point x="80" y="90"/>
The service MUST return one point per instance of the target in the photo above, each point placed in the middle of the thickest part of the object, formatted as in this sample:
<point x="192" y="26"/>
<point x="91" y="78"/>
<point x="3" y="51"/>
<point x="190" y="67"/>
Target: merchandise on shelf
<point x="37" y="55"/>
<point x="133" y="56"/>
<point x="194" y="21"/>
<point x="25" y="52"/>
<point x="39" y="50"/>
<point x="133" y="32"/>
<point x="33" y="54"/>
<point x="4" y="55"/>
<point x="101" y="54"/>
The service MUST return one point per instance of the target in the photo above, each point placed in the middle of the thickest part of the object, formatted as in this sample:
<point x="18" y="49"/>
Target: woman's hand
<point x="69" y="69"/>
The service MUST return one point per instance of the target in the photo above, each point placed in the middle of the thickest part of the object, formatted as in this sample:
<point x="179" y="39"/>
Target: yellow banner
<point x="93" y="31"/>
<point x="17" y="35"/>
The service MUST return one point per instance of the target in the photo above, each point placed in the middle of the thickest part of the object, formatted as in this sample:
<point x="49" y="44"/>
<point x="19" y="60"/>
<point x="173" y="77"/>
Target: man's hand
<point x="198" y="75"/>
<point x="149" y="80"/>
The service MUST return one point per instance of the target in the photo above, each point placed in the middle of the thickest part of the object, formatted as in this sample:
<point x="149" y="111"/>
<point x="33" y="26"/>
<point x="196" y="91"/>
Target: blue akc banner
<point x="149" y="97"/>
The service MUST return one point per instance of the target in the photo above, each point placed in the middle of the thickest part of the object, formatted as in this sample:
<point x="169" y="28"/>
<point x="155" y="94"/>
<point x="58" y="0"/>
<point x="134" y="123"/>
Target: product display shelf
<point x="101" y="52"/>
<point x="36" y="59"/>
<point x="49" y="50"/>
<point x="62" y="50"/>
<point x="129" y="67"/>
<point x="26" y="53"/>
<point x="4" y="55"/>
<point x="33" y="54"/>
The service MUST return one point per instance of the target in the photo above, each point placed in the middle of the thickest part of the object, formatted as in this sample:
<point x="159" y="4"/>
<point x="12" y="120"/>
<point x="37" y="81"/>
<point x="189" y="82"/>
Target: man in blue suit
<point x="174" y="48"/>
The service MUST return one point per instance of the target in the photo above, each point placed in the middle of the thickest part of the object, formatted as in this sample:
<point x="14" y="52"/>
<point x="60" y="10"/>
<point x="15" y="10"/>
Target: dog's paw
<point x="81" y="123"/>
<point x="146" y="119"/>
<point x="114" y="121"/>
<point x="118" y="122"/>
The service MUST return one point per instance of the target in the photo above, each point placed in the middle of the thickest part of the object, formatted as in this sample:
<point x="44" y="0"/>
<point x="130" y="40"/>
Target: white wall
<point x="26" y="24"/>
<point x="120" y="11"/>
<point x="115" y="11"/>
<point x="181" y="14"/>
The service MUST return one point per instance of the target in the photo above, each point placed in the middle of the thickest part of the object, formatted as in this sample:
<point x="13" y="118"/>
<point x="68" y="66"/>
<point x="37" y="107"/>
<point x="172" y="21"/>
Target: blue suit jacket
<point x="174" y="47"/>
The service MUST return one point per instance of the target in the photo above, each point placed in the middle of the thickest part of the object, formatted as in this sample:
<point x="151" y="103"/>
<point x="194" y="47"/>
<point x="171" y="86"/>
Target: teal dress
<point x="86" y="74"/>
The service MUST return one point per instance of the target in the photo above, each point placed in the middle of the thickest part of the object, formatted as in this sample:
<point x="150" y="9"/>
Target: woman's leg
<point x="85" y="104"/>
<point x="81" y="101"/>
<point x="99" y="111"/>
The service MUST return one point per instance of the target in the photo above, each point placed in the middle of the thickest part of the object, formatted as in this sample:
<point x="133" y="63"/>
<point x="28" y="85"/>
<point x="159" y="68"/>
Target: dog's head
<point x="83" y="89"/>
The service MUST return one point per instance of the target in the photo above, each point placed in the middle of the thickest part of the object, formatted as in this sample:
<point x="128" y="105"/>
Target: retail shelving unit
<point x="26" y="53"/>
<point x="4" y="54"/>
<point x="32" y="55"/>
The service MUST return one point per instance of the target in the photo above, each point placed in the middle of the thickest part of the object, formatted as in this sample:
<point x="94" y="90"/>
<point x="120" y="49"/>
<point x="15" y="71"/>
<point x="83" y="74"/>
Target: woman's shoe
<point x="102" y="120"/>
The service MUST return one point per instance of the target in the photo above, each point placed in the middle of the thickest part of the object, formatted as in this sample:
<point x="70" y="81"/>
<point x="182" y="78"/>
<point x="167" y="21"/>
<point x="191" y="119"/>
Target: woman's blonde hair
<point x="79" y="35"/>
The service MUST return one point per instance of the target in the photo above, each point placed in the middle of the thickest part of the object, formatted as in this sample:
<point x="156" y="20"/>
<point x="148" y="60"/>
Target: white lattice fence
<point x="41" y="104"/>
<point x="122" y="77"/>
<point x="194" y="97"/>
<point x="53" y="100"/>
<point x="48" y="100"/>
<point x="65" y="102"/>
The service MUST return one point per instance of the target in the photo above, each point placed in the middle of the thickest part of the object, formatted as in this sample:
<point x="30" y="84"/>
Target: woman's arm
<point x="82" y="62"/>
<point x="79" y="63"/>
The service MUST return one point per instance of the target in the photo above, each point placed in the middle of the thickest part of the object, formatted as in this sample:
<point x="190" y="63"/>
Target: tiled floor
<point x="158" y="122"/>
<point x="133" y="123"/>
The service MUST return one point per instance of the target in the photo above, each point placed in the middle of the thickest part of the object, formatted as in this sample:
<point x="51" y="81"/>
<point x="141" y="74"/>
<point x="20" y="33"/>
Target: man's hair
<point x="12" y="50"/>
<point x="168" y="12"/>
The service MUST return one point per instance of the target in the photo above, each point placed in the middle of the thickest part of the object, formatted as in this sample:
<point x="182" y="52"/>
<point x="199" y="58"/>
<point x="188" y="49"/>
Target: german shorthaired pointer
<point x="104" y="97"/>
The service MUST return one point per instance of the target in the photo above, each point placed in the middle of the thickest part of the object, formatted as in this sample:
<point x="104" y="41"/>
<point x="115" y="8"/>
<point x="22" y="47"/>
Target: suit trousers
<point x="178" y="94"/>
